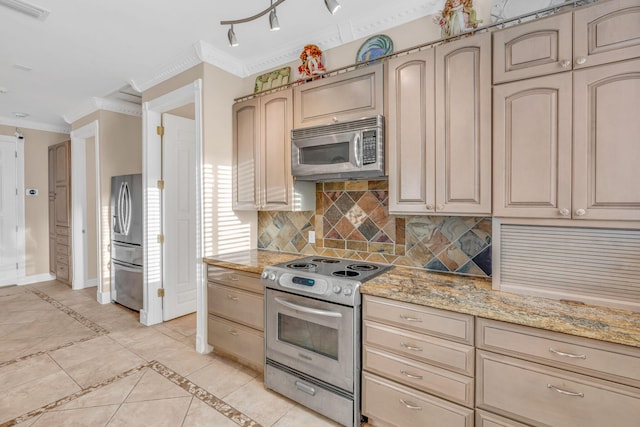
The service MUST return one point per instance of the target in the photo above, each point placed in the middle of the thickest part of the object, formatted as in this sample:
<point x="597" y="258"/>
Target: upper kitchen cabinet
<point x="544" y="168"/>
<point x="440" y="129"/>
<point x="598" y="34"/>
<point x="262" y="156"/>
<point x="343" y="97"/>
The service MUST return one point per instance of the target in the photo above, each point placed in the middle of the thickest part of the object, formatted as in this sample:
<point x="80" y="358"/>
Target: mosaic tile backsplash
<point x="352" y="221"/>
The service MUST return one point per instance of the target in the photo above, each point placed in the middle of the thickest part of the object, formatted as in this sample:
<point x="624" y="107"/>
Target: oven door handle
<point x="305" y="309"/>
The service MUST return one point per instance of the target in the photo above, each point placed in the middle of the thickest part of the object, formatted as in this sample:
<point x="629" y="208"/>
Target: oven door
<point x="311" y="336"/>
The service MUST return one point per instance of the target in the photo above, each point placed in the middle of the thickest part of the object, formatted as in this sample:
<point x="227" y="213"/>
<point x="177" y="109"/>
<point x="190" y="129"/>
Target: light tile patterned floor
<point x="66" y="360"/>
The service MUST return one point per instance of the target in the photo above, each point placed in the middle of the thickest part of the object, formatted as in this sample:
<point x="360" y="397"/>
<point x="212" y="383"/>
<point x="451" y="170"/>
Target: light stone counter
<point x="474" y="296"/>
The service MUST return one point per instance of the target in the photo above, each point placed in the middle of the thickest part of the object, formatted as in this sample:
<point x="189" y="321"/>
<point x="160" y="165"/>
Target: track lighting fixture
<point x="233" y="40"/>
<point x="274" y="25"/>
<point x="332" y="5"/>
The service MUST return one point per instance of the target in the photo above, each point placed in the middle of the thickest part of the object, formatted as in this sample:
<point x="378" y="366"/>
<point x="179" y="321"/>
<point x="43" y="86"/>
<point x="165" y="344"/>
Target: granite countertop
<point x="474" y="296"/>
<point x="251" y="261"/>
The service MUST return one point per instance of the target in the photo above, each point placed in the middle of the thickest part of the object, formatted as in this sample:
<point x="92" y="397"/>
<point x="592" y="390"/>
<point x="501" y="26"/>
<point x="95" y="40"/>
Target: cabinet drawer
<point x="449" y="385"/>
<point x="62" y="250"/>
<point x="401" y="406"/>
<point x="244" y="343"/>
<point x="239" y="306"/>
<point x="606" y="360"/>
<point x="64" y="231"/>
<point x="424" y="348"/>
<point x="441" y="323"/>
<point x="62" y="271"/>
<point x="487" y="419"/>
<point x="237" y="279"/>
<point x="62" y="259"/>
<point x="62" y="240"/>
<point x="545" y="396"/>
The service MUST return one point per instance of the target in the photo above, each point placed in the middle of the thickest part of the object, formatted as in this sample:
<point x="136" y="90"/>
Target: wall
<point x="36" y="167"/>
<point x="120" y="140"/>
<point x="352" y="221"/>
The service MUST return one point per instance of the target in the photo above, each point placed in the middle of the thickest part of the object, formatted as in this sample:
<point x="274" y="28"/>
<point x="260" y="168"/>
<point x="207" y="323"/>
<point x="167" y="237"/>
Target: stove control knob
<point x="272" y="276"/>
<point x="337" y="289"/>
<point x="265" y="274"/>
<point x="347" y="292"/>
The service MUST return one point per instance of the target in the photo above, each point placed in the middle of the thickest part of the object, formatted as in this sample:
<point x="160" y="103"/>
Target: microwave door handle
<point x="305" y="309"/>
<point x="357" y="141"/>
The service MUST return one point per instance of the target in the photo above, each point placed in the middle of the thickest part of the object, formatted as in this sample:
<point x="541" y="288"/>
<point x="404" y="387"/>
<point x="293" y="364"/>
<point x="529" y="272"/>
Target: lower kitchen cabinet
<point x="543" y="378"/>
<point x="235" y="303"/>
<point x="418" y="365"/>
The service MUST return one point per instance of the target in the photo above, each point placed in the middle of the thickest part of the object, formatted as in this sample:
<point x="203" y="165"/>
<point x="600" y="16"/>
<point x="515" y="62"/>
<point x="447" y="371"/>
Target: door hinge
<point x="16" y="154"/>
<point x="160" y="238"/>
<point x="161" y="293"/>
<point x="16" y="191"/>
<point x="161" y="184"/>
<point x="17" y="268"/>
<point x="160" y="130"/>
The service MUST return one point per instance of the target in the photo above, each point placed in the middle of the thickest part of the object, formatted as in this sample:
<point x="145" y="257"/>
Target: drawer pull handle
<point x="561" y="391"/>
<point x="232" y="332"/>
<point x="572" y="356"/>
<point x="410" y="347"/>
<point x="233" y="277"/>
<point x="408" y="375"/>
<point x="232" y="298"/>
<point x="305" y="388"/>
<point x="411" y="405"/>
<point x="410" y="319"/>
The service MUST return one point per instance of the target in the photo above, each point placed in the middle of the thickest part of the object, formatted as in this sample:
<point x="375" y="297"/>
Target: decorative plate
<point x="272" y="79"/>
<point x="312" y="61"/>
<point x="506" y="9"/>
<point x="374" y="47"/>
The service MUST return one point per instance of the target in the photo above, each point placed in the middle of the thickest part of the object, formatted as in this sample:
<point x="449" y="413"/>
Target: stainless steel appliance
<point x="312" y="333"/>
<point x="126" y="241"/>
<point x="342" y="150"/>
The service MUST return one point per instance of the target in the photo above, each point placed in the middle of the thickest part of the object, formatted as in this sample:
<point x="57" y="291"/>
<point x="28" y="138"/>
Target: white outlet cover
<point x="312" y="237"/>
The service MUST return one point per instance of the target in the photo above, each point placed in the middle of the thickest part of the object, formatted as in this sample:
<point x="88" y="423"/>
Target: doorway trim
<point x="79" y="209"/>
<point x="18" y="141"/>
<point x="151" y="312"/>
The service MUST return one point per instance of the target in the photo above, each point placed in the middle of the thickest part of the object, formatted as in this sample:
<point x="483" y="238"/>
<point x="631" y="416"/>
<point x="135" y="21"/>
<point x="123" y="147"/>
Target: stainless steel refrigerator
<point x="126" y="240"/>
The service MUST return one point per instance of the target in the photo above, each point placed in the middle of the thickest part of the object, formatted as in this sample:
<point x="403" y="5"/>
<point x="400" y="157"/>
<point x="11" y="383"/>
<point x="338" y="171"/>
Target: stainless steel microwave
<point x="343" y="150"/>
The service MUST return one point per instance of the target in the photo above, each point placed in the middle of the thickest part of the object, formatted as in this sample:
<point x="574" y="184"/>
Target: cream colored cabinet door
<point x="539" y="47"/>
<point x="411" y="124"/>
<point x="606" y="32"/>
<point x="463" y="126"/>
<point x="275" y="150"/>
<point x="347" y="96"/>
<point x="607" y="142"/>
<point x="246" y="140"/>
<point x="532" y="148"/>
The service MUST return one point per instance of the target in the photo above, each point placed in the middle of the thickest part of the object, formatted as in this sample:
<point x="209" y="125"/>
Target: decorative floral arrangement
<point x="457" y="17"/>
<point x="312" y="63"/>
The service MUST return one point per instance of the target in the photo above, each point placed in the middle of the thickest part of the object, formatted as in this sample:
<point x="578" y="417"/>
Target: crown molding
<point x="213" y="56"/>
<point x="96" y="104"/>
<point x="30" y="124"/>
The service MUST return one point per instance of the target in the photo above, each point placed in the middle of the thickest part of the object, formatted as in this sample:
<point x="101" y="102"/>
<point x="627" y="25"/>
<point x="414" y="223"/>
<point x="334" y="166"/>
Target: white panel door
<point x="180" y="232"/>
<point x="8" y="214"/>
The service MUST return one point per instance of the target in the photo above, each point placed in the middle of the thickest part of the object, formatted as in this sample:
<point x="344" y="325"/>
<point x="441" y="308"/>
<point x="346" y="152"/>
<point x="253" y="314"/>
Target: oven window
<point x="327" y="154"/>
<point x="308" y="335"/>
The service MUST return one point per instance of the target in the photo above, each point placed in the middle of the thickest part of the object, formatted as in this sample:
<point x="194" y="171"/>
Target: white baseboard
<point x="91" y="283"/>
<point x="104" y="297"/>
<point x="36" y="278"/>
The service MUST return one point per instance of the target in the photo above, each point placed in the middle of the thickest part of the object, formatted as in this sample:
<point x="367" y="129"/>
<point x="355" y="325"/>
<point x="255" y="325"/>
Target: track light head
<point x="231" y="35"/>
<point x="274" y="25"/>
<point x="332" y="5"/>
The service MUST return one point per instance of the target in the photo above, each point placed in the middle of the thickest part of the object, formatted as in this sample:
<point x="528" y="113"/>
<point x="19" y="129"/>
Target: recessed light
<point x="20" y="115"/>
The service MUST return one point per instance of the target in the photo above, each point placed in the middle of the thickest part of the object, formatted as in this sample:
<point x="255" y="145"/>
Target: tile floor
<point x="66" y="360"/>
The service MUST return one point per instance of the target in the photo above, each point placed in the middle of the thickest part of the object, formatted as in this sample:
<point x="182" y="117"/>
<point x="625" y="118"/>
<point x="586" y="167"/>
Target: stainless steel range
<point x="312" y="333"/>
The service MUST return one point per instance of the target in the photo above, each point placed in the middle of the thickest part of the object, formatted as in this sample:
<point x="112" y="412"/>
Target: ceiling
<point x="84" y="49"/>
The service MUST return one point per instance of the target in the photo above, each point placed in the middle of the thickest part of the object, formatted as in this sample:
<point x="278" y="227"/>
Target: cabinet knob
<point x="581" y="60"/>
<point x="564" y="212"/>
<point x="429" y="207"/>
<point x="565" y="63"/>
<point x="580" y="212"/>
